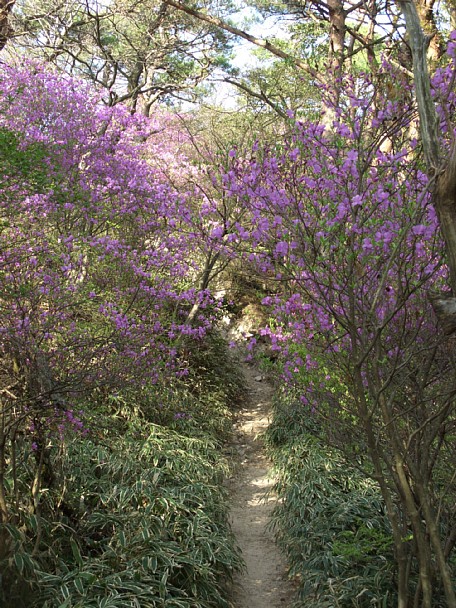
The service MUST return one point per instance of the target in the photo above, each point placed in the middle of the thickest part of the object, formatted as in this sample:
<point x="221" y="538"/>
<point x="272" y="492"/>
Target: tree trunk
<point x="337" y="32"/>
<point x="425" y="9"/>
<point x="5" y="28"/>
<point x="444" y="200"/>
<point x="400" y="545"/>
<point x="441" y="168"/>
<point x="421" y="543"/>
<point x="432" y="529"/>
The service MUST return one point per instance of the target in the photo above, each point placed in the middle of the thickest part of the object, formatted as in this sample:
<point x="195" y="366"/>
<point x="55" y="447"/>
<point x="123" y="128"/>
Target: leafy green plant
<point x="134" y="513"/>
<point x="330" y="520"/>
<point x="139" y="522"/>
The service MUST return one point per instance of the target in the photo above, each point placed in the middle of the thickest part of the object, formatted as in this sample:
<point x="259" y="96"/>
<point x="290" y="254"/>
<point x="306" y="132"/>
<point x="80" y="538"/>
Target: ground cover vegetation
<point x="117" y="228"/>
<point x="330" y="521"/>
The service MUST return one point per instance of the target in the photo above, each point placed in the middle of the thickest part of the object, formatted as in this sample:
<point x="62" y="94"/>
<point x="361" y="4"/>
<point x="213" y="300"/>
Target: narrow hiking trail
<point x="264" y="584"/>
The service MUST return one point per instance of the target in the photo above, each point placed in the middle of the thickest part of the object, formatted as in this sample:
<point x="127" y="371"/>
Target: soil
<point x="264" y="583"/>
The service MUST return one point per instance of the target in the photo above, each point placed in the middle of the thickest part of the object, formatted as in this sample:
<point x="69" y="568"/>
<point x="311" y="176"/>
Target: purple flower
<point x="281" y="248"/>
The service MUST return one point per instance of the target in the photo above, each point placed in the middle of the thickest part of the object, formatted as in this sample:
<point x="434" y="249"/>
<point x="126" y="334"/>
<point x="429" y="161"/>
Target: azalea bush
<point x="340" y="219"/>
<point x="90" y="227"/>
<point x="96" y="343"/>
<point x="95" y="289"/>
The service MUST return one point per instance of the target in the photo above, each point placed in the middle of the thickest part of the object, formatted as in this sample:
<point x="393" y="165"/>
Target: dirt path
<point x="264" y="584"/>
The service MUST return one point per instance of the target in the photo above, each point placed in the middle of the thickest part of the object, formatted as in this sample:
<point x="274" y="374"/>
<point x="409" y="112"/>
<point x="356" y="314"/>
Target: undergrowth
<point x="330" y="520"/>
<point x="132" y="514"/>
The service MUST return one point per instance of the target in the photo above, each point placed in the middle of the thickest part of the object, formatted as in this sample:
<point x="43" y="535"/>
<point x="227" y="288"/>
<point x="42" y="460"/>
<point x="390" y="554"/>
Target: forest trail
<point x="264" y="584"/>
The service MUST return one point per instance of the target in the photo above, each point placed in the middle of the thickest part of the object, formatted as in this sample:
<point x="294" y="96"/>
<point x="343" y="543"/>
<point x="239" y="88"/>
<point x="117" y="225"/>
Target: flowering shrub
<point x="97" y="285"/>
<point x="98" y="273"/>
<point x="340" y="219"/>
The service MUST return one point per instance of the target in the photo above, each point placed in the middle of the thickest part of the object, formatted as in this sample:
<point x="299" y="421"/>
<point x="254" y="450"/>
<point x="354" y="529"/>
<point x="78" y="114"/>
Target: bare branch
<point x="261" y="95"/>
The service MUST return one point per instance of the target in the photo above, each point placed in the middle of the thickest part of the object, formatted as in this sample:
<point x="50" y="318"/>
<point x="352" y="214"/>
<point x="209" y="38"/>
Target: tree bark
<point x="425" y="10"/>
<point x="400" y="545"/>
<point x="444" y="200"/>
<point x="444" y="306"/>
<point x="441" y="170"/>
<point x="422" y="547"/>
<point x="433" y="532"/>
<point x="5" y="28"/>
<point x="337" y="31"/>
<point x="426" y="109"/>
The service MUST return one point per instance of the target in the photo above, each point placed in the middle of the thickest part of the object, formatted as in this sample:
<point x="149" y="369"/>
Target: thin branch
<point x="261" y="96"/>
<point x="264" y="44"/>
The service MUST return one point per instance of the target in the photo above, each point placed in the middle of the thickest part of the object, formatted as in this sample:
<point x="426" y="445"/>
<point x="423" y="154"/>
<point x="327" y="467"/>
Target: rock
<point x="258" y="378"/>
